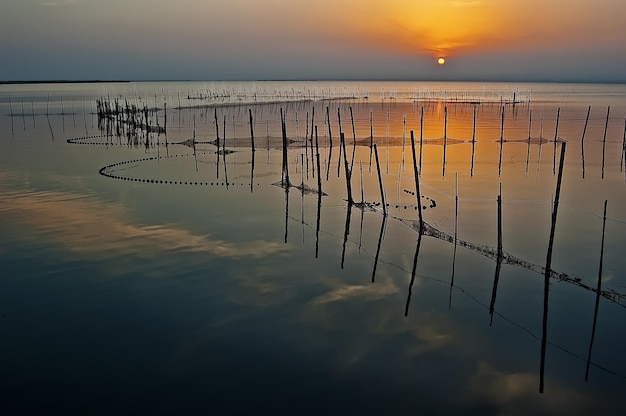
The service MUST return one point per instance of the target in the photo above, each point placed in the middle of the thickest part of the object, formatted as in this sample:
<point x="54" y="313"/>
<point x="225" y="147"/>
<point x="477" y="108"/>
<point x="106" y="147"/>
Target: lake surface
<point x="175" y="272"/>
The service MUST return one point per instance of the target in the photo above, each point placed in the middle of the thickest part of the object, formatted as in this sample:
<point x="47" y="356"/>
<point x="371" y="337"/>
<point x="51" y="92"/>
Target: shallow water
<point x="182" y="280"/>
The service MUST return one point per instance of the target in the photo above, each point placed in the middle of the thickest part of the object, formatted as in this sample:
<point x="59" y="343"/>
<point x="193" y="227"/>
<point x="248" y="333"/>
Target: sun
<point x="441" y="61"/>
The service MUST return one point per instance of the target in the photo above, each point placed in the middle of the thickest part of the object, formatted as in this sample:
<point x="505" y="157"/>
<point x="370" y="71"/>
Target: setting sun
<point x="441" y="61"/>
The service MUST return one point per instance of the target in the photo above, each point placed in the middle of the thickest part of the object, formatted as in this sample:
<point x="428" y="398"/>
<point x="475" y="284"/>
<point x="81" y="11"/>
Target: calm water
<point x="150" y="274"/>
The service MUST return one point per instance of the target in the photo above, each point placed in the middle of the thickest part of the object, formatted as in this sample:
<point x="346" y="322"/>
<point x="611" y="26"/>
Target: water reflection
<point x="306" y="299"/>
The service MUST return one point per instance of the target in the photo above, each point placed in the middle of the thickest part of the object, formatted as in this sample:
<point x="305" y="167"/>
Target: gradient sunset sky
<point x="500" y="40"/>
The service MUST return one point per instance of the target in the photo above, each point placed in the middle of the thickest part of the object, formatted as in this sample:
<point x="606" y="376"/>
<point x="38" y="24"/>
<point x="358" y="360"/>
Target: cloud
<point x="517" y="394"/>
<point x="88" y="226"/>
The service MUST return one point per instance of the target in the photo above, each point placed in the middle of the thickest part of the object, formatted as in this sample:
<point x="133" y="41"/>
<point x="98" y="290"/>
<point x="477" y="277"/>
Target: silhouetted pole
<point x="548" y="270"/>
<point x="582" y="140"/>
<point x="556" y="139"/>
<point x="598" y="290"/>
<point x="371" y="136"/>
<point x="285" y="180"/>
<point x="418" y="195"/>
<point x="445" y="139"/>
<point x="353" y="139"/>
<point x="380" y="182"/>
<point x="347" y="171"/>
<point x="473" y="143"/>
<point x="330" y="133"/>
<point x="530" y="124"/>
<point x="251" y="129"/>
<point x="342" y="148"/>
<point x="319" y="176"/>
<point x="623" y="147"/>
<point x="606" y="127"/>
<point x="421" y="134"/>
<point x="501" y="142"/>
<point x="217" y="129"/>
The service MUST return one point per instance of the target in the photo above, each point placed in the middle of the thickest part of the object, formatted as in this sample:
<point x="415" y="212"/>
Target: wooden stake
<point x="347" y="171"/>
<point x="598" y="291"/>
<point x="548" y="270"/>
<point x="319" y="169"/>
<point x="421" y="134"/>
<point x="556" y="139"/>
<point x="606" y="127"/>
<point x="501" y="142"/>
<point x="445" y="139"/>
<point x="251" y="130"/>
<point x="380" y="182"/>
<point x="418" y="195"/>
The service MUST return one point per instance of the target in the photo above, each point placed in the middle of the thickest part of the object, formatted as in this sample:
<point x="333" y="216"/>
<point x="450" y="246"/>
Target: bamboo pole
<point x="417" y="185"/>
<point x="606" y="127"/>
<point x="217" y="128"/>
<point x="501" y="142"/>
<point x="556" y="139"/>
<point x="285" y="177"/>
<point x="371" y="136"/>
<point x="380" y="182"/>
<point x="530" y="123"/>
<point x="353" y="139"/>
<point x="582" y="139"/>
<point x="347" y="170"/>
<point x="251" y="130"/>
<point x="548" y="270"/>
<point x="598" y="291"/>
<point x="445" y="139"/>
<point x="623" y="147"/>
<point x="421" y="134"/>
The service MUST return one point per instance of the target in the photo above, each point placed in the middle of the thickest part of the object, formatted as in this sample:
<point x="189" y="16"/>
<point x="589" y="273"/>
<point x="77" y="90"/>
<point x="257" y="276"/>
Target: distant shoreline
<point x="64" y="81"/>
<point x="127" y="81"/>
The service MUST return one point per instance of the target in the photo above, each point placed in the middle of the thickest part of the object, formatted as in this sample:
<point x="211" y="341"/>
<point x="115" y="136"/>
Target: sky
<point x="481" y="40"/>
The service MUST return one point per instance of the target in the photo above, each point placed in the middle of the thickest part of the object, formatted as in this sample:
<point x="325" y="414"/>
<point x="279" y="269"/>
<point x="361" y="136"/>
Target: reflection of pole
<point x="456" y="227"/>
<point x="499" y="260"/>
<point x="413" y="273"/>
<point x="380" y="182"/>
<point x="346" y="232"/>
<point x="319" y="195"/>
<point x="548" y="270"/>
<point x="598" y="289"/>
<point x="380" y="240"/>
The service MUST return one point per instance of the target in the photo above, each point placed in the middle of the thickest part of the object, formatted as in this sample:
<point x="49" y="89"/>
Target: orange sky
<point x="281" y="39"/>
